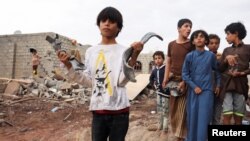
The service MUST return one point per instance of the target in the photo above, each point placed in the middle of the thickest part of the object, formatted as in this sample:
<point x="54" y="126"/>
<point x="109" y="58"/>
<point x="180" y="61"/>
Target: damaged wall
<point x="16" y="58"/>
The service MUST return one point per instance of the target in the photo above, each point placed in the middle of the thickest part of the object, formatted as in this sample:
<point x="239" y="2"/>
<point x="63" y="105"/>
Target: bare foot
<point x="164" y="132"/>
<point x="164" y="135"/>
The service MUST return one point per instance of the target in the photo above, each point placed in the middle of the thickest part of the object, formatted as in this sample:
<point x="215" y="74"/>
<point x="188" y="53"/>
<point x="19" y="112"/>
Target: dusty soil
<point x="33" y="120"/>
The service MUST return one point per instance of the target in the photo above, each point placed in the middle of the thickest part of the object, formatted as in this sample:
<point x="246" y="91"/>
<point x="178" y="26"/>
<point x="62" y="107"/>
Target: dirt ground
<point x="33" y="120"/>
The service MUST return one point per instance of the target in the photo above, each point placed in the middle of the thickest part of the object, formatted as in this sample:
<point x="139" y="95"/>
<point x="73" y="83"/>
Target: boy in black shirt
<point x="156" y="79"/>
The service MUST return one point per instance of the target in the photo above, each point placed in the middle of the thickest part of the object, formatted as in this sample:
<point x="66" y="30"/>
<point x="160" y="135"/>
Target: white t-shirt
<point x="105" y="75"/>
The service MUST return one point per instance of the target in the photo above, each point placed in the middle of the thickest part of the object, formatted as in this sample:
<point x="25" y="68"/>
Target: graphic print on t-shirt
<point x="102" y="80"/>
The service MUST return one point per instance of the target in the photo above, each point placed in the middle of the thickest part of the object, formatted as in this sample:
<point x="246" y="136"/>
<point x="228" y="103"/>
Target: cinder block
<point x="12" y="88"/>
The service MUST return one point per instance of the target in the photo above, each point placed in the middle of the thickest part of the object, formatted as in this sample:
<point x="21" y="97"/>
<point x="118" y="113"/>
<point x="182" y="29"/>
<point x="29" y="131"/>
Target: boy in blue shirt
<point x="197" y="74"/>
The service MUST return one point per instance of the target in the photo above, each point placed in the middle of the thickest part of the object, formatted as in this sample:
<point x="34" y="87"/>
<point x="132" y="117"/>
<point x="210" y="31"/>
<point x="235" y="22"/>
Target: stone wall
<point x="16" y="58"/>
<point x="7" y="58"/>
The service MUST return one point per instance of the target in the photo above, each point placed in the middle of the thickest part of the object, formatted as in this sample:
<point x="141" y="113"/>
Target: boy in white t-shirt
<point x="109" y="102"/>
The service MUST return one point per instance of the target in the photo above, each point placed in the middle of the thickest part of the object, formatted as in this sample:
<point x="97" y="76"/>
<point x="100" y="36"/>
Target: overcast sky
<point x="77" y="18"/>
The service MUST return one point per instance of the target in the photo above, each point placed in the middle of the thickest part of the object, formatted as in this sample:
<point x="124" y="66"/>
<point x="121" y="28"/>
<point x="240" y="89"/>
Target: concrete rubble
<point x="59" y="92"/>
<point x="53" y="88"/>
<point x="12" y="90"/>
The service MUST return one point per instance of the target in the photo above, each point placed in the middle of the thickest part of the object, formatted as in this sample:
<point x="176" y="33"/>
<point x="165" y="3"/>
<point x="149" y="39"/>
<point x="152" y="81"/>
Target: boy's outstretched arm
<point x="76" y="76"/>
<point x="64" y="58"/>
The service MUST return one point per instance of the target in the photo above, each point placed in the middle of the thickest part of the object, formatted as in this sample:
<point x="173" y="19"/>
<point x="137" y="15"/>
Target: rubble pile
<point x="49" y="88"/>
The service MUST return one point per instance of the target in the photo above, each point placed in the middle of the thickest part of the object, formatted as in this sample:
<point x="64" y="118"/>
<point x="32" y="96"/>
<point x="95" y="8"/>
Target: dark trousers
<point x="34" y="67"/>
<point x="113" y="127"/>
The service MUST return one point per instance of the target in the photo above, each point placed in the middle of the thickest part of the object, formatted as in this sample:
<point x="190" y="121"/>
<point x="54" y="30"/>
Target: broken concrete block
<point x="12" y="88"/>
<point x="38" y="79"/>
<point x="66" y="96"/>
<point x="50" y="83"/>
<point x="75" y="86"/>
<point x="52" y="90"/>
<point x="42" y="87"/>
<point x="78" y="90"/>
<point x="69" y="100"/>
<point x="35" y="92"/>
<point x="65" y="86"/>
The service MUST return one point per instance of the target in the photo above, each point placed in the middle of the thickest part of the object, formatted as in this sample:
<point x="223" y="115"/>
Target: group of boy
<point x="209" y="83"/>
<point x="190" y="70"/>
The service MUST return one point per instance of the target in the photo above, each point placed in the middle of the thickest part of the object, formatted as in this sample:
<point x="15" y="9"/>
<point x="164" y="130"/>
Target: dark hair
<point x="32" y="50"/>
<point x="214" y="36"/>
<point x="112" y="14"/>
<point x="237" y="27"/>
<point x="182" y="22"/>
<point x="196" y="33"/>
<point x="160" y="53"/>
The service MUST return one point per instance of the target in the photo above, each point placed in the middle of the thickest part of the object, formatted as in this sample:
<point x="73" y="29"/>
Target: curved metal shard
<point x="55" y="42"/>
<point x="128" y="70"/>
<point x="149" y="35"/>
